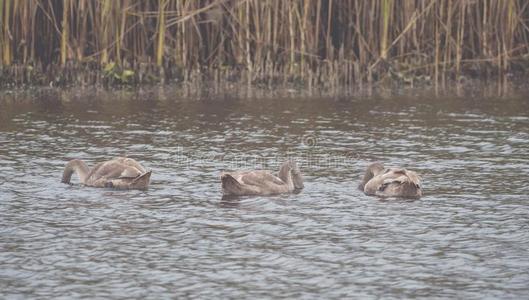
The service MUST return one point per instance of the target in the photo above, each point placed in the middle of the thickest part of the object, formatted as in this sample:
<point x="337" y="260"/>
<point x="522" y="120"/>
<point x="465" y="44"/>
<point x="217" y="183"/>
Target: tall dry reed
<point x="327" y="43"/>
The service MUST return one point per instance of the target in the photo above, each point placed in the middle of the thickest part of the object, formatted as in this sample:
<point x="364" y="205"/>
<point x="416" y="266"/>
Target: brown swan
<point x="119" y="173"/>
<point x="391" y="182"/>
<point x="260" y="182"/>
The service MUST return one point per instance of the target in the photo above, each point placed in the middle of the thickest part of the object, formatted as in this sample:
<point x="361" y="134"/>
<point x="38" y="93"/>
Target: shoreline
<point x="464" y="89"/>
<point x="244" y="84"/>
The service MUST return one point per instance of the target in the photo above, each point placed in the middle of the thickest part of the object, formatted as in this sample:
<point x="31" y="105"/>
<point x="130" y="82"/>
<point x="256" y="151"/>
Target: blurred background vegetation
<point x="309" y="43"/>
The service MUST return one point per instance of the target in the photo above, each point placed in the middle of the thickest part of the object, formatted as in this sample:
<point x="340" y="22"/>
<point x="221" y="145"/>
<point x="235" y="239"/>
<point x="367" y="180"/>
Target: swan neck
<point x="285" y="174"/>
<point x="371" y="171"/>
<point x="79" y="167"/>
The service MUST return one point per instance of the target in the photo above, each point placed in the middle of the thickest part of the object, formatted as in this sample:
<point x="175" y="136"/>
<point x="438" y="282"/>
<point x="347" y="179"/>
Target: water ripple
<point x="466" y="238"/>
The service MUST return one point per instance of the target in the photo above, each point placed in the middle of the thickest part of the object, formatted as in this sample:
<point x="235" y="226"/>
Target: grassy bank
<point x="318" y="43"/>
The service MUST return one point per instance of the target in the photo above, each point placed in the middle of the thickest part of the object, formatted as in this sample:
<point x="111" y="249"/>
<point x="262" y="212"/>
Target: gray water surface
<point x="468" y="237"/>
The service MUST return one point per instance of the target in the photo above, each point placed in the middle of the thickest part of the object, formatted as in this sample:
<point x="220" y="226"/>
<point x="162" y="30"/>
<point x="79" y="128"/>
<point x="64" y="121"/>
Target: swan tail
<point x="230" y="185"/>
<point x="143" y="180"/>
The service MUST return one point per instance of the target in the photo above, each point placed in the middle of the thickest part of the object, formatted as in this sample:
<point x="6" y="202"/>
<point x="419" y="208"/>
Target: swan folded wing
<point x="114" y="169"/>
<point x="131" y="163"/>
<point x="403" y="176"/>
<point x="251" y="183"/>
<point x="396" y="179"/>
<point x="414" y="178"/>
<point x="259" y="178"/>
<point x="130" y="172"/>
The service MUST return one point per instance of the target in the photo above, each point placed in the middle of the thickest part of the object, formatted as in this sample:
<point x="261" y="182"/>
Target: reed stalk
<point x="161" y="32"/>
<point x="386" y="7"/>
<point x="64" y="32"/>
<point x="309" y="42"/>
<point x="6" y="34"/>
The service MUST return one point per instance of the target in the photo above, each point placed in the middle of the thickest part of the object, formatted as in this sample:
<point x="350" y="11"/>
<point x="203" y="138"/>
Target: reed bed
<point x="312" y="43"/>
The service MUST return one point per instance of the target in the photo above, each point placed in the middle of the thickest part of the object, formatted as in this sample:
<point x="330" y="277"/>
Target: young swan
<point x="119" y="173"/>
<point x="392" y="182"/>
<point x="262" y="182"/>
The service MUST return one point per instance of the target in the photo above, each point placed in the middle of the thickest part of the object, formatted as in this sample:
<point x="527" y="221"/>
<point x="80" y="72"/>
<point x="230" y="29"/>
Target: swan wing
<point x="131" y="163"/>
<point x="114" y="169"/>
<point x="259" y="178"/>
<point x="402" y="176"/>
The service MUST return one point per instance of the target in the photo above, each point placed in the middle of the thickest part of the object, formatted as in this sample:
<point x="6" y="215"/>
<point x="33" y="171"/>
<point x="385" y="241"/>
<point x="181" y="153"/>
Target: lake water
<point x="468" y="237"/>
